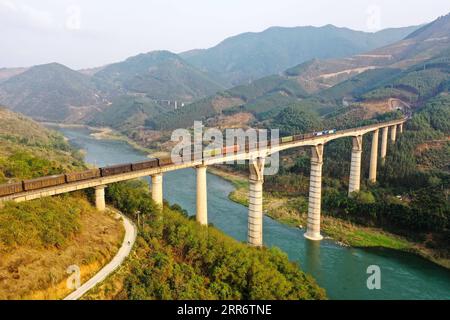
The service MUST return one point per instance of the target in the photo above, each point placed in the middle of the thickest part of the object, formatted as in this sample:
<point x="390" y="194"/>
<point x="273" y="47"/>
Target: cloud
<point x="22" y="15"/>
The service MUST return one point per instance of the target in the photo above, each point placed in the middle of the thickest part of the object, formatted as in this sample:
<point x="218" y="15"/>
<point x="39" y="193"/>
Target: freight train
<point x="55" y="180"/>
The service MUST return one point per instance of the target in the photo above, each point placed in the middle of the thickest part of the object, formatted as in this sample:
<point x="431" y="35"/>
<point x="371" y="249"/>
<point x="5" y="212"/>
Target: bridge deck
<point x="79" y="185"/>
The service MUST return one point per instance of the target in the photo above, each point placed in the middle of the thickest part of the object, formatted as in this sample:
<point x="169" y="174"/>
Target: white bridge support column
<point x="255" y="206"/>
<point x="384" y="138"/>
<point x="157" y="189"/>
<point x="100" y="198"/>
<point x="355" y="167"/>
<point x="400" y="128"/>
<point x="315" y="194"/>
<point x="393" y="133"/>
<point x="202" y="200"/>
<point x="374" y="157"/>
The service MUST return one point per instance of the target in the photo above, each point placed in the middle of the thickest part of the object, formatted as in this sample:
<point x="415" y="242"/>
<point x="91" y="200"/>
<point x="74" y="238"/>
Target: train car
<point x="44" y="182"/>
<point x="10" y="188"/>
<point x="83" y="175"/>
<point x="318" y="134"/>
<point x="230" y="149"/>
<point x="148" y="164"/>
<point x="165" y="161"/>
<point x="287" y="139"/>
<point x="332" y="131"/>
<point x="117" y="169"/>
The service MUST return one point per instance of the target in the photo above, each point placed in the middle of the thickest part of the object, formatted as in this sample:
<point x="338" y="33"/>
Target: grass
<point x="35" y="268"/>
<point x="293" y="212"/>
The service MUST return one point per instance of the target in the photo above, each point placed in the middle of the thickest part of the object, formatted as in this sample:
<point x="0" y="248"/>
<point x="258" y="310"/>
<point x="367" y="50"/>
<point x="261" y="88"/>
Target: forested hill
<point x="174" y="257"/>
<point x="161" y="75"/>
<point x="40" y="238"/>
<point x="28" y="150"/>
<point x="52" y="92"/>
<point x="412" y="70"/>
<point x="253" y="55"/>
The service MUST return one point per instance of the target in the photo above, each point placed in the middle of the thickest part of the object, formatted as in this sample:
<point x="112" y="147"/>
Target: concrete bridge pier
<point x="157" y="189"/>
<point x="400" y="128"/>
<point x="393" y="133"/>
<point x="100" y="198"/>
<point x="384" y="138"/>
<point x="315" y="194"/>
<point x="374" y="157"/>
<point x="255" y="206"/>
<point x="202" y="202"/>
<point x="355" y="167"/>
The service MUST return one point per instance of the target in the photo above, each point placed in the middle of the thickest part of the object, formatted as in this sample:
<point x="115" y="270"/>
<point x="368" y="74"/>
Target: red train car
<point x="230" y="149"/>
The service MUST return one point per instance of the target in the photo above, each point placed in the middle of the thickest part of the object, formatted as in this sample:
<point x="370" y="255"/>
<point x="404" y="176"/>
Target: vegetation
<point x="28" y="150"/>
<point x="160" y="75"/>
<point x="410" y="202"/>
<point x="54" y="96"/>
<point x="293" y="121"/>
<point x="39" y="239"/>
<point x="176" y="258"/>
<point x="249" y="56"/>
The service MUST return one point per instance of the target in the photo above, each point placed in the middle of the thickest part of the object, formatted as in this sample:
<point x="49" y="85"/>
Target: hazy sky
<point x="87" y="33"/>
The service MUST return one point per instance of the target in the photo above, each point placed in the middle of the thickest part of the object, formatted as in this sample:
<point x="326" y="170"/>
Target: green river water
<point x="342" y="271"/>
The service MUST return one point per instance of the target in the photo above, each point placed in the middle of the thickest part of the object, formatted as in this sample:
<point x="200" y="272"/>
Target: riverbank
<point x="409" y="276"/>
<point x="286" y="210"/>
<point x="104" y="133"/>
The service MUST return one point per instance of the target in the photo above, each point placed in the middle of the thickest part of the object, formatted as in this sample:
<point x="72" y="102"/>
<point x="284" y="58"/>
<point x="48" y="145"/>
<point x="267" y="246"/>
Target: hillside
<point x="425" y="43"/>
<point x="39" y="239"/>
<point x="175" y="258"/>
<point x="6" y="73"/>
<point x="52" y="92"/>
<point x="161" y="75"/>
<point x="29" y="150"/>
<point x="128" y="111"/>
<point x="250" y="56"/>
<point x="323" y="85"/>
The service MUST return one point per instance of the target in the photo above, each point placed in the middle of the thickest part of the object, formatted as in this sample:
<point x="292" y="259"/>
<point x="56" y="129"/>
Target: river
<point x="342" y="271"/>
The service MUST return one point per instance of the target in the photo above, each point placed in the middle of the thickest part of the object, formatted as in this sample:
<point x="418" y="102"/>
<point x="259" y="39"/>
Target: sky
<point x="90" y="33"/>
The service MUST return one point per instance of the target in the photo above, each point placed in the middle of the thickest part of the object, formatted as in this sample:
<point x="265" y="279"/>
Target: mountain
<point x="323" y="84"/>
<point x="6" y="73"/>
<point x="423" y="44"/>
<point x="52" y="92"/>
<point x="128" y="111"/>
<point x="160" y="75"/>
<point x="250" y="56"/>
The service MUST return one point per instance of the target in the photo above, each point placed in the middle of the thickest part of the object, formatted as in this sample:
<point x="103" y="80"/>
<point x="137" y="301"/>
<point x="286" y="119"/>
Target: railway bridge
<point x="256" y="160"/>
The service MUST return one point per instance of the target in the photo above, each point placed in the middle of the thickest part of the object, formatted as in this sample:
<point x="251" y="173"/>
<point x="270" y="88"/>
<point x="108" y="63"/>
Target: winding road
<point x="124" y="251"/>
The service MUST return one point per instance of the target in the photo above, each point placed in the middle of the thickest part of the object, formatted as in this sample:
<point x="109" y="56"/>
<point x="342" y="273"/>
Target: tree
<point x="293" y="120"/>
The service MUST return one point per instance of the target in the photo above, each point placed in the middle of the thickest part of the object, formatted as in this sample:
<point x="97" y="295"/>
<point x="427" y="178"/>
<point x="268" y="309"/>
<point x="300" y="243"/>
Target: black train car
<point x="117" y="169"/>
<point x="10" y="188"/>
<point x="148" y="164"/>
<point x="44" y="182"/>
<point x="83" y="175"/>
<point x="165" y="161"/>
